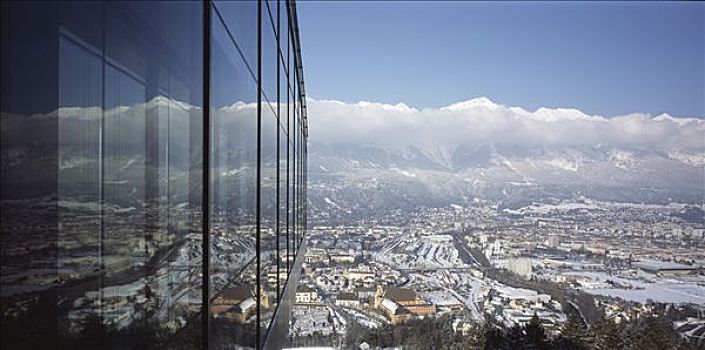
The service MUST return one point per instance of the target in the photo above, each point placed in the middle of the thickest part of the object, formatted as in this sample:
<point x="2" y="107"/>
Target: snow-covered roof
<point x="661" y="265"/>
<point x="246" y="304"/>
<point x="390" y="305"/>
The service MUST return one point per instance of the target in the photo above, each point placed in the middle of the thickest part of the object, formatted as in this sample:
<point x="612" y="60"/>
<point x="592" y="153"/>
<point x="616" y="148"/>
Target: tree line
<point x="646" y="333"/>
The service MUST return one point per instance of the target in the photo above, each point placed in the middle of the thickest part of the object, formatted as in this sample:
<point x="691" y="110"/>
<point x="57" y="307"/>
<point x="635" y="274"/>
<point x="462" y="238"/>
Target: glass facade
<point x="153" y="172"/>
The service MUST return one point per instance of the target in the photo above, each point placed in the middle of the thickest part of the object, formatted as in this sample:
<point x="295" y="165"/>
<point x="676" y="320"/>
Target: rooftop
<point x="347" y="296"/>
<point x="661" y="265"/>
<point x="400" y="294"/>
<point x="236" y="293"/>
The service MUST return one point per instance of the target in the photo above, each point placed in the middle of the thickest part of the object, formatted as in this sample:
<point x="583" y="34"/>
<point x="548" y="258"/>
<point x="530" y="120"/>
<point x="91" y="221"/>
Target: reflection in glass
<point x="127" y="247"/>
<point x="234" y="183"/>
<point x="102" y="144"/>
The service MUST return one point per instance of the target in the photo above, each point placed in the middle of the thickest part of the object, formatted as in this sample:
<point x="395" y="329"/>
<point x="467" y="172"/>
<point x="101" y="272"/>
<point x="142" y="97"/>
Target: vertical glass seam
<point x="258" y="289"/>
<point x="277" y="227"/>
<point x="205" y="186"/>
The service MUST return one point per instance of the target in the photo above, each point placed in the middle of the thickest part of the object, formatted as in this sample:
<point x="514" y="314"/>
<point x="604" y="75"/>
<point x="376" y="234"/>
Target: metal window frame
<point x="276" y="334"/>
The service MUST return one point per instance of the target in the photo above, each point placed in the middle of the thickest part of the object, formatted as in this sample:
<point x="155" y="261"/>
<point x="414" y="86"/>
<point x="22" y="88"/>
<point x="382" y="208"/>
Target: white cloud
<point x="481" y="120"/>
<point x="476" y="121"/>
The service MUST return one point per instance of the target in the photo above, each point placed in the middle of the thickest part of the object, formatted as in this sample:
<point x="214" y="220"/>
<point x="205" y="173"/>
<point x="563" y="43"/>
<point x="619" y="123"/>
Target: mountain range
<point x="635" y="158"/>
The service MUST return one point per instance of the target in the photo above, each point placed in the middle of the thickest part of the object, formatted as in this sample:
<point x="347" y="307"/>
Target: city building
<point x="153" y="173"/>
<point x="520" y="266"/>
<point x="366" y="296"/>
<point x="396" y="313"/>
<point x="360" y="275"/>
<point x="663" y="268"/>
<point x="305" y="295"/>
<point x="347" y="299"/>
<point x="236" y="303"/>
<point x="404" y="298"/>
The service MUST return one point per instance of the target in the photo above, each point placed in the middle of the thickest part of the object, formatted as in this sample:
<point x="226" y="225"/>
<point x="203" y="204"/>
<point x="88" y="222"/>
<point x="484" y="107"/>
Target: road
<point x="469" y="303"/>
<point x="465" y="254"/>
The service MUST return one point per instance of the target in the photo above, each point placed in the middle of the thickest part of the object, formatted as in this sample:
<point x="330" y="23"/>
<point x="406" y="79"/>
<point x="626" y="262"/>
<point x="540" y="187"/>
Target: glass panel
<point x="101" y="181"/>
<point x="302" y="186"/>
<point x="114" y="256"/>
<point x="240" y="18"/>
<point x="282" y="217"/>
<point x="233" y="267"/>
<point x="284" y="30"/>
<point x="269" y="58"/>
<point x="297" y="169"/>
<point x="290" y="157"/>
<point x="283" y="141"/>
<point x="151" y="175"/>
<point x="80" y="165"/>
<point x="292" y="181"/>
<point x="298" y="183"/>
<point x="271" y="277"/>
<point x="273" y="7"/>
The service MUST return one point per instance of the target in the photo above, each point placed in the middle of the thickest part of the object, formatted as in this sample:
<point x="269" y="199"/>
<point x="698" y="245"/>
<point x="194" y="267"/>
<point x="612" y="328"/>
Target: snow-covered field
<point x="589" y="204"/>
<point x="667" y="290"/>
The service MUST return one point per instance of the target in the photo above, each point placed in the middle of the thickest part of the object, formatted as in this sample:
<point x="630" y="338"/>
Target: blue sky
<point x="601" y="58"/>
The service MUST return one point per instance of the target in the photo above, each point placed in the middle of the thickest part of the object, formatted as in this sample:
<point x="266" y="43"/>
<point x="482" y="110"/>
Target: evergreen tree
<point x="608" y="335"/>
<point x="493" y="336"/>
<point x="476" y="337"/>
<point x="574" y="335"/>
<point x="651" y="333"/>
<point x="535" y="335"/>
<point x="515" y="338"/>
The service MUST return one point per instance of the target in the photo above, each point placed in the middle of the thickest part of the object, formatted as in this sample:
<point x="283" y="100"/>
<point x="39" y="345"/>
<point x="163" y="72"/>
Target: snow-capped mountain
<point x="481" y="149"/>
<point x="368" y="156"/>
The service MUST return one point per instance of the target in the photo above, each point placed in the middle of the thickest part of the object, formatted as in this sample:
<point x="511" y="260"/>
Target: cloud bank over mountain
<point x="481" y="120"/>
